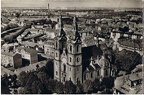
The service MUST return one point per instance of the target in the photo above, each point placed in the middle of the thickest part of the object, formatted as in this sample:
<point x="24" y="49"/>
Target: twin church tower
<point x="68" y="54"/>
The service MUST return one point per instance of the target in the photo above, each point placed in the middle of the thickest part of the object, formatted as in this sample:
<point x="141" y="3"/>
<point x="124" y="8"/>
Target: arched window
<point x="56" y="73"/>
<point x="70" y="48"/>
<point x="64" y="79"/>
<point x="64" y="68"/>
<point x="78" y="81"/>
<point x="56" y="54"/>
<point x="98" y="73"/>
<point x="56" y="45"/>
<point x="70" y="59"/>
<point x="84" y="76"/>
<point x="91" y="75"/>
<point x="78" y="59"/>
<point x="77" y="48"/>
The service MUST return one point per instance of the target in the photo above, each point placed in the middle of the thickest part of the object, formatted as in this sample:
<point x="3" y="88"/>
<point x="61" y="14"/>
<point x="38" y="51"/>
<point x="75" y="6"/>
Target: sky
<point x="72" y="3"/>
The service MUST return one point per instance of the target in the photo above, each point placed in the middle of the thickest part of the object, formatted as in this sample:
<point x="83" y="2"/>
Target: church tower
<point x="74" y="47"/>
<point x="60" y="43"/>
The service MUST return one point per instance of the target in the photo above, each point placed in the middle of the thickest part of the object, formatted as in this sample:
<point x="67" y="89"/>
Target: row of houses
<point x="14" y="58"/>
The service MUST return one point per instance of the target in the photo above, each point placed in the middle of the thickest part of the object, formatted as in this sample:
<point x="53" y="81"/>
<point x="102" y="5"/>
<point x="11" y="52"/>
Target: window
<point x="70" y="48"/>
<point x="78" y="59"/>
<point x="64" y="68"/>
<point x="64" y="79"/>
<point x="77" y="68"/>
<point x="84" y="76"/>
<point x="70" y="69"/>
<point x="70" y="59"/>
<point x="56" y="73"/>
<point x="56" y="45"/>
<point x="78" y="81"/>
<point x="56" y="55"/>
<point x="106" y="72"/>
<point x="98" y="73"/>
<point x="47" y="50"/>
<point x="91" y="75"/>
<point x="77" y="48"/>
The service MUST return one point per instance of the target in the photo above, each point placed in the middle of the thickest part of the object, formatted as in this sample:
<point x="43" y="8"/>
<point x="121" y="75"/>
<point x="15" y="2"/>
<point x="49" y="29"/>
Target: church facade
<point x="68" y="58"/>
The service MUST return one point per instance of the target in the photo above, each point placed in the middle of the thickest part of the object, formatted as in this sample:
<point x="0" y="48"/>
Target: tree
<point x="50" y="85"/>
<point x="42" y="76"/>
<point x="127" y="60"/>
<point x="38" y="88"/>
<point x="59" y="88"/>
<point x="108" y="82"/>
<point x="21" y="90"/>
<point x="69" y="87"/>
<point x="22" y="78"/>
<point x="88" y="86"/>
<point x="50" y="69"/>
<point x="4" y="80"/>
<point x="31" y="78"/>
<point x="79" y="88"/>
<point x="96" y="85"/>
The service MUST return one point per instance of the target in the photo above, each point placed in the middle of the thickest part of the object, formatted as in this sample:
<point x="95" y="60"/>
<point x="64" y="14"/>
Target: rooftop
<point x="29" y="50"/>
<point x="6" y="71"/>
<point x="30" y="67"/>
<point x="8" y="53"/>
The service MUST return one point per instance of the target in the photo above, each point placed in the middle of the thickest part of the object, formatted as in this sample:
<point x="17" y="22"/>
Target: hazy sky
<point x="71" y="3"/>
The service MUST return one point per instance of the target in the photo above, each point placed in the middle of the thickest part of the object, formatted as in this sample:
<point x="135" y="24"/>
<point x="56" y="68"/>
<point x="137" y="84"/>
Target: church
<point x="74" y="62"/>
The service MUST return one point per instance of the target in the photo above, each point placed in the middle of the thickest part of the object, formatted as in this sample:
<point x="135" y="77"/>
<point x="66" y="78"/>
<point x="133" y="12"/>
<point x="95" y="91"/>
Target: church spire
<point x="60" y="22"/>
<point x="75" y="25"/>
<point x="62" y="33"/>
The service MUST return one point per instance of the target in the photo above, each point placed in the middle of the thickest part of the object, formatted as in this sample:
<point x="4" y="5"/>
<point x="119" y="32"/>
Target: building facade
<point x="28" y="54"/>
<point x="10" y="59"/>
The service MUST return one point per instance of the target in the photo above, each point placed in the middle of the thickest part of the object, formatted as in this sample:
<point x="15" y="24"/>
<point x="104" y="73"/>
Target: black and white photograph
<point x="72" y="47"/>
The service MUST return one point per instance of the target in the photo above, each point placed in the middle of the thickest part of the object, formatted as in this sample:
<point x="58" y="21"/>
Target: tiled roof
<point x="96" y="51"/>
<point x="50" y="30"/>
<point x="33" y="36"/>
<point x="27" y="49"/>
<point x="8" y="53"/>
<point x="88" y="41"/>
<point x="135" y="76"/>
<point x="130" y="43"/>
<point x="32" y="44"/>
